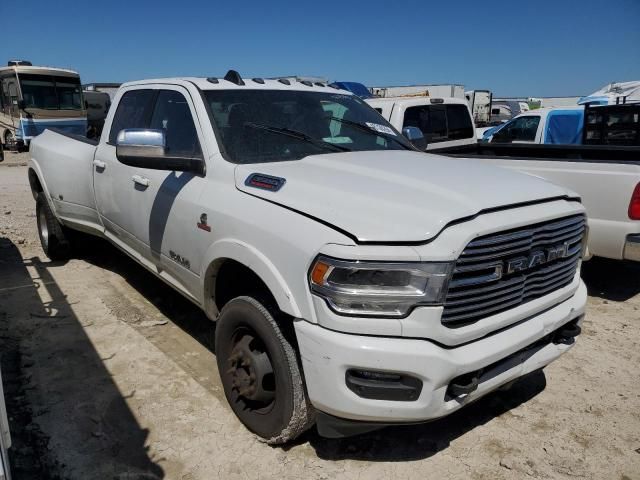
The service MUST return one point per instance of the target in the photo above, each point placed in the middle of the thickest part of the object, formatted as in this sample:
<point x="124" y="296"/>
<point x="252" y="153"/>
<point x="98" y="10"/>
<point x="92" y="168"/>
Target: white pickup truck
<point x="604" y="170"/>
<point x="444" y="122"/>
<point x="354" y="281"/>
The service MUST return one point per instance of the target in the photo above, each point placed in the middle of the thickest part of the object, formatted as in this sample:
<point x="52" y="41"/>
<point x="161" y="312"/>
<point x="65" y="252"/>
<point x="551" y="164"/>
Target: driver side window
<point x="521" y="129"/>
<point x="172" y="114"/>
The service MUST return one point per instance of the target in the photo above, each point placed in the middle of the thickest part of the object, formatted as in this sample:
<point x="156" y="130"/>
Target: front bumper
<point x="632" y="248"/>
<point x="327" y="355"/>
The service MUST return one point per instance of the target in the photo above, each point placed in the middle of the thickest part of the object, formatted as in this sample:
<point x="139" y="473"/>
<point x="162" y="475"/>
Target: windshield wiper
<point x="367" y="128"/>
<point x="299" y="136"/>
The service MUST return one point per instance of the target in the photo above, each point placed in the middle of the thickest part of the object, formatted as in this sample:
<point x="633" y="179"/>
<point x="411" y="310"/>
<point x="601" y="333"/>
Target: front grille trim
<point x="472" y="298"/>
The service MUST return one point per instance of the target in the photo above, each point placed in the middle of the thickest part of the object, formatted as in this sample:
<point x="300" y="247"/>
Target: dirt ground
<point x="110" y="374"/>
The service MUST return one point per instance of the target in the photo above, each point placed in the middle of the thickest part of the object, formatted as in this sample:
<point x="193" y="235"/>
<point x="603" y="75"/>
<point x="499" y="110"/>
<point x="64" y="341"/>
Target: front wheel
<point x="260" y="373"/>
<point x="52" y="234"/>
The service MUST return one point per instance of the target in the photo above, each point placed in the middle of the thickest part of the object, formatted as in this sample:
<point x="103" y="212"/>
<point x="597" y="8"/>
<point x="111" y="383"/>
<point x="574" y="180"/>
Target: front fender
<point x="253" y="259"/>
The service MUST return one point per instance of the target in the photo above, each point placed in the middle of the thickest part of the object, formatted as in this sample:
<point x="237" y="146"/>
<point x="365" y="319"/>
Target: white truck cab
<point x="355" y="281"/>
<point x="444" y="122"/>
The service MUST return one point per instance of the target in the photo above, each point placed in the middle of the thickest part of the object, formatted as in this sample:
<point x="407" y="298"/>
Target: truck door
<point x="117" y="195"/>
<point x="168" y="201"/>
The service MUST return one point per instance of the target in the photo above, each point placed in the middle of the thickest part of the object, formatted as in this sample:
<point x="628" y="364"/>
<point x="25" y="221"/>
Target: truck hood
<point x="393" y="196"/>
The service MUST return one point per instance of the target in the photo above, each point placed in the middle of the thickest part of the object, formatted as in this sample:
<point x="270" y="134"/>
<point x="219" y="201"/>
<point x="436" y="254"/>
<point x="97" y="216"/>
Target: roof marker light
<point x="234" y="77"/>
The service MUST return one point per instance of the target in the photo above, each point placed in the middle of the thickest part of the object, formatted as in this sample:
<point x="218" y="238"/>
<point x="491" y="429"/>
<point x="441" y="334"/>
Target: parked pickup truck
<point x="355" y="281"/>
<point x="444" y="122"/>
<point x="606" y="176"/>
<point x="582" y="125"/>
<point x="559" y="126"/>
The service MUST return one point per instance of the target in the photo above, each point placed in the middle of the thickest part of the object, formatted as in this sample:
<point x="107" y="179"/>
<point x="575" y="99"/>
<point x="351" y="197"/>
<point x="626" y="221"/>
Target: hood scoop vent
<point x="265" y="182"/>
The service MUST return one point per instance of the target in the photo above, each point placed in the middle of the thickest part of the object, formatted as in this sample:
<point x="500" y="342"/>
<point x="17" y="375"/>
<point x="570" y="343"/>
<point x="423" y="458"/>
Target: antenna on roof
<point x="234" y="77"/>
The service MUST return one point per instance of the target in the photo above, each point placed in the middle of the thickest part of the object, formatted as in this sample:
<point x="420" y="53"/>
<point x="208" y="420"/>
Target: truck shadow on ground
<point x="613" y="280"/>
<point x="417" y="442"/>
<point x="46" y="356"/>
<point x="168" y="301"/>
<point x="400" y="443"/>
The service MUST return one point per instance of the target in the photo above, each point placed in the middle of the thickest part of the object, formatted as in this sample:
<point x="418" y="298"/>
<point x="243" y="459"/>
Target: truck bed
<point x="604" y="177"/>
<point x="57" y="157"/>
<point x="566" y="153"/>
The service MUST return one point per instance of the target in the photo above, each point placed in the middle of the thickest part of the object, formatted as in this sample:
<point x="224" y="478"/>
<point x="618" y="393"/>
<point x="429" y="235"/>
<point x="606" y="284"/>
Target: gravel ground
<point x="110" y="374"/>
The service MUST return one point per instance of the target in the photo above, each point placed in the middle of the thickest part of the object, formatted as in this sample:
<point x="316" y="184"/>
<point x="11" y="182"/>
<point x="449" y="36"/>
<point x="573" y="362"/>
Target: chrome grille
<point x="493" y="273"/>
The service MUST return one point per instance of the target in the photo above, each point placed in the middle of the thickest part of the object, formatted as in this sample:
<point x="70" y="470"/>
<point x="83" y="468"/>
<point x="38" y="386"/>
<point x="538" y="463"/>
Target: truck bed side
<point x="64" y="166"/>
<point x="604" y="177"/>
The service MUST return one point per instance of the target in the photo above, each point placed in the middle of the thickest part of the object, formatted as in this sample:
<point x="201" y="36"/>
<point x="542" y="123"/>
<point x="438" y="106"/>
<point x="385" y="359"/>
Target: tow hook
<point x="464" y="384"/>
<point x="567" y="335"/>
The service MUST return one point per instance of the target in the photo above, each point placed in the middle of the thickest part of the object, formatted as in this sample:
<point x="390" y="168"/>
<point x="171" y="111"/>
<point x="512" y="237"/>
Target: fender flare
<point x="37" y="171"/>
<point x="253" y="259"/>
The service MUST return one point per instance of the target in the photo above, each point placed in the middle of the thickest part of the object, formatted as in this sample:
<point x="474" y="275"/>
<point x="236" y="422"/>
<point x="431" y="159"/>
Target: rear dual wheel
<point x="260" y="372"/>
<point x="53" y="235"/>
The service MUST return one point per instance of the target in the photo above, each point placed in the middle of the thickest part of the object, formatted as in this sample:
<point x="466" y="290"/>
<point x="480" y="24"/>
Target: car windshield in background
<point x="50" y="92"/>
<point x="256" y="126"/>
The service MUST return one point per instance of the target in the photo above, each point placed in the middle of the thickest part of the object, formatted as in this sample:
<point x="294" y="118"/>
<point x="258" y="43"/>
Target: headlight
<point x="378" y="288"/>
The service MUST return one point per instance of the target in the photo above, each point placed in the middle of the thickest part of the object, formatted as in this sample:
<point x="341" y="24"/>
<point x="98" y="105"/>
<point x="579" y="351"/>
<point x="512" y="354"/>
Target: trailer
<point x="440" y="91"/>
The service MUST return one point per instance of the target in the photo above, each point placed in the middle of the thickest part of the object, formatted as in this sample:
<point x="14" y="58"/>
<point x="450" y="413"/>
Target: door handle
<point x="99" y="164"/>
<point x="140" y="180"/>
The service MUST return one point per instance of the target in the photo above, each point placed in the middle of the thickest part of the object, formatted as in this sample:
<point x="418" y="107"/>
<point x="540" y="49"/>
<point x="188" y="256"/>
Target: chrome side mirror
<point x="415" y="136"/>
<point x="140" y="142"/>
<point x="146" y="148"/>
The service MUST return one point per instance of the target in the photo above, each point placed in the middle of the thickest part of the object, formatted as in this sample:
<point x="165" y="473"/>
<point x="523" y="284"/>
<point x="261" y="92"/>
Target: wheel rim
<point x="250" y="373"/>
<point x="43" y="228"/>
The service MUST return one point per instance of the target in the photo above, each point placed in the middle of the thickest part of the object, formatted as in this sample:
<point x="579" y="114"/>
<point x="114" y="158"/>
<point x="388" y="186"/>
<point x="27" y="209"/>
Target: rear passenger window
<point x="440" y="123"/>
<point x="458" y="122"/>
<point x="172" y="114"/>
<point x="432" y="120"/>
<point x="133" y="112"/>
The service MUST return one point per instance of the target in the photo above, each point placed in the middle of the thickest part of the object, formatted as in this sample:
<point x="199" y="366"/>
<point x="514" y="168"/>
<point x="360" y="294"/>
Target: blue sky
<point x="516" y="47"/>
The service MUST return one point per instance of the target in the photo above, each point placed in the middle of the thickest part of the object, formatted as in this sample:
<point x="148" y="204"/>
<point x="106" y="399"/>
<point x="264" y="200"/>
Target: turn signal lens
<point x="319" y="271"/>
<point x="634" y="204"/>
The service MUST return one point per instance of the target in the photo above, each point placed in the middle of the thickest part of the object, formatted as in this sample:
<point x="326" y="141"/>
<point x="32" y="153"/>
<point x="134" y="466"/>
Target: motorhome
<point x="34" y="98"/>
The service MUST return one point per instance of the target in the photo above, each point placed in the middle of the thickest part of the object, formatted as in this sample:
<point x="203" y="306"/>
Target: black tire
<point x="276" y="408"/>
<point x="53" y="237"/>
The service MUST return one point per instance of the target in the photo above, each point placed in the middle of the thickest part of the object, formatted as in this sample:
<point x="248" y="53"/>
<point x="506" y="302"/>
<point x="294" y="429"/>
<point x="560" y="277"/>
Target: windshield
<point x="49" y="92"/>
<point x="256" y="126"/>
